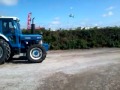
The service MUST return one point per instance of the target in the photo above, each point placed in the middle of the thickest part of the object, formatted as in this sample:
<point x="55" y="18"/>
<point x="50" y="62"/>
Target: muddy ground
<point x="94" y="69"/>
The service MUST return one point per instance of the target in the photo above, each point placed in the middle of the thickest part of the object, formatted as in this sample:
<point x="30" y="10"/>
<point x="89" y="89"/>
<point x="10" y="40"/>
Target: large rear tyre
<point x="10" y="58"/>
<point x="3" y="53"/>
<point x="8" y="49"/>
<point x="36" y="54"/>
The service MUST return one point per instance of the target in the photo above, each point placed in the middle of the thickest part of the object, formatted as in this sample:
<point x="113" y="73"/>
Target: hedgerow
<point x="81" y="38"/>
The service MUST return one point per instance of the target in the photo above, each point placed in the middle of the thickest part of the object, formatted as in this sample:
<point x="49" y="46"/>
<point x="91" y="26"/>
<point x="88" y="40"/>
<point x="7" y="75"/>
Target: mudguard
<point x="46" y="46"/>
<point x="4" y="37"/>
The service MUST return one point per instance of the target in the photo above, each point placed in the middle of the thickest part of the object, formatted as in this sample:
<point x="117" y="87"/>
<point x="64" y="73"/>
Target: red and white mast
<point x="29" y="21"/>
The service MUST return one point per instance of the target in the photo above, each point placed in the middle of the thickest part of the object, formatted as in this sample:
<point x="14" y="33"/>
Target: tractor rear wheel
<point x="10" y="58"/>
<point x="7" y="47"/>
<point x="3" y="53"/>
<point x="36" y="54"/>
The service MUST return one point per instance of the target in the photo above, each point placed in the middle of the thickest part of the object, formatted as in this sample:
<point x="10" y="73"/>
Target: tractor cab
<point x="10" y="28"/>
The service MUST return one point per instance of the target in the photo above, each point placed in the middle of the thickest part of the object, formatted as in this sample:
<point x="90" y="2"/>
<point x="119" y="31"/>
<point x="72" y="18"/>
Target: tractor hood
<point x="31" y="37"/>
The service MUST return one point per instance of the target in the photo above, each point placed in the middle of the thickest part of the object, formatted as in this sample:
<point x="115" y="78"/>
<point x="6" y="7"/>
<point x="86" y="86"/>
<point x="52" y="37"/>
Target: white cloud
<point x="9" y="2"/>
<point x="110" y="8"/>
<point x="57" y="18"/>
<point x="55" y="22"/>
<point x="96" y="24"/>
<point x="82" y="23"/>
<point x="110" y="13"/>
<point x="104" y="15"/>
<point x="71" y="7"/>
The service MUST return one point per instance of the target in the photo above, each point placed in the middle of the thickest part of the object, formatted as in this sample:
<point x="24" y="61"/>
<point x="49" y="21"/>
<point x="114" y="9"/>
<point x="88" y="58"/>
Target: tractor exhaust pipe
<point x="33" y="27"/>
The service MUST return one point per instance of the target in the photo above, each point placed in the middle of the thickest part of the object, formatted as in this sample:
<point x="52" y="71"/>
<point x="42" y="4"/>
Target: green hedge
<point x="81" y="38"/>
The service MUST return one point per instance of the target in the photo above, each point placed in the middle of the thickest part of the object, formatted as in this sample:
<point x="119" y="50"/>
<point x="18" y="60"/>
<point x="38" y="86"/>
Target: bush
<point x="81" y="38"/>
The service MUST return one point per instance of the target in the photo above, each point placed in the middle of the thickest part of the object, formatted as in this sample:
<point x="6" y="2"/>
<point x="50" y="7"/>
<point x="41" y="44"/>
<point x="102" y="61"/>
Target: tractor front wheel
<point x="36" y="54"/>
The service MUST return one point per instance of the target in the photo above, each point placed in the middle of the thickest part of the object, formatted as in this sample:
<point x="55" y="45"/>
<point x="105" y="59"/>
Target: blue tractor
<point x="13" y="42"/>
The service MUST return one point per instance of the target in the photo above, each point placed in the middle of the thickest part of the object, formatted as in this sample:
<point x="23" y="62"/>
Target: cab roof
<point x="6" y="17"/>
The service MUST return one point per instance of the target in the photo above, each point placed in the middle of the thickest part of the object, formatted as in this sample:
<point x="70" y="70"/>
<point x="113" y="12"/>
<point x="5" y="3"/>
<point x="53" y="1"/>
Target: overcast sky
<point x="55" y="13"/>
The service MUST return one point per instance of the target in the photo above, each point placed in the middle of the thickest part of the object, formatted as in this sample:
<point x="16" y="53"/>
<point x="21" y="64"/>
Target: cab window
<point x="8" y="27"/>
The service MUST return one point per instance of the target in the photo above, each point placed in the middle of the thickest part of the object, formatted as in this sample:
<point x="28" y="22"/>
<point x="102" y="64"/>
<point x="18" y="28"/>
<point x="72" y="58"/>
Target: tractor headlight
<point x="26" y="42"/>
<point x="41" y="42"/>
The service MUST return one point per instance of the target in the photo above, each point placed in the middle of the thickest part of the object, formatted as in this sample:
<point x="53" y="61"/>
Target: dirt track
<point x="96" y="69"/>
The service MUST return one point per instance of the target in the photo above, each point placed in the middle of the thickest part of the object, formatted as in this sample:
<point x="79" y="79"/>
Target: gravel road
<point x="94" y="69"/>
